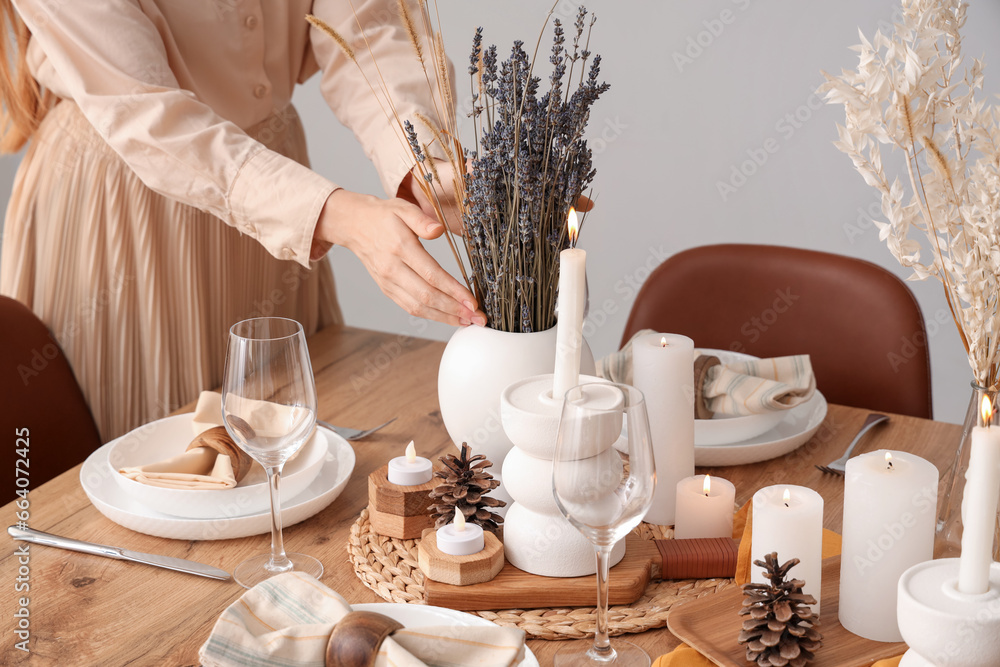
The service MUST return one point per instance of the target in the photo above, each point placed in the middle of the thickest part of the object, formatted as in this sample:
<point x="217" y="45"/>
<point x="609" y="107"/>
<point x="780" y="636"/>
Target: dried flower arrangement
<point x="529" y="162"/>
<point x="906" y="92"/>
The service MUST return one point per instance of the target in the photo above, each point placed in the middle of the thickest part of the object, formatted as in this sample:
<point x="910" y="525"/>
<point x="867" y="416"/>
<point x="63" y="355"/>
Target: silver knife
<point x="177" y="564"/>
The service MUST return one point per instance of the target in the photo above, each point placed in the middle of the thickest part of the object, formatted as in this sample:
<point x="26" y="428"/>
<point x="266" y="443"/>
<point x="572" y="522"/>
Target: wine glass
<point x="269" y="409"/>
<point x="604" y="490"/>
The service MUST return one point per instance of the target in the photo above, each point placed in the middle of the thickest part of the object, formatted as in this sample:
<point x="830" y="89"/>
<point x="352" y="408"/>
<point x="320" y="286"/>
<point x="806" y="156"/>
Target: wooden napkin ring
<point x="701" y="366"/>
<point x="356" y="639"/>
<point x="218" y="439"/>
<point x="698" y="558"/>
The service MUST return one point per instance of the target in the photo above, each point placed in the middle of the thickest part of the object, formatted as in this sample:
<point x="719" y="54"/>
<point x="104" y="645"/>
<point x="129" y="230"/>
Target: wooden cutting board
<point x="712" y="623"/>
<point x="516" y="589"/>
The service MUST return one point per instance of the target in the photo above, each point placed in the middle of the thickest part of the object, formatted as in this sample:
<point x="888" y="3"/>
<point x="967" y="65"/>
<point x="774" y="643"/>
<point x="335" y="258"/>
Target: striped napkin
<point x="286" y="621"/>
<point x="739" y="388"/>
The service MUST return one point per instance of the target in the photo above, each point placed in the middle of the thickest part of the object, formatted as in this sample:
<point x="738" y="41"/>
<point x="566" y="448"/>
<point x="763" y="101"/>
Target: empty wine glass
<point x="269" y="409"/>
<point x="603" y="492"/>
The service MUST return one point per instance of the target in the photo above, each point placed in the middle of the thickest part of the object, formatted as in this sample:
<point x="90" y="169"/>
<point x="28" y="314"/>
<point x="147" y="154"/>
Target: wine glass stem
<point x="279" y="561"/>
<point x="602" y="650"/>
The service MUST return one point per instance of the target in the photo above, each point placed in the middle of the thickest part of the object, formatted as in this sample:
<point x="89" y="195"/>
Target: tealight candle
<point x="889" y="502"/>
<point x="459" y="538"/>
<point x="410" y="469"/>
<point x="704" y="507"/>
<point x="788" y="519"/>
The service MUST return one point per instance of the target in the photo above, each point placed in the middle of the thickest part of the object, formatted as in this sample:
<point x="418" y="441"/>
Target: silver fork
<point x="352" y="433"/>
<point x="839" y="466"/>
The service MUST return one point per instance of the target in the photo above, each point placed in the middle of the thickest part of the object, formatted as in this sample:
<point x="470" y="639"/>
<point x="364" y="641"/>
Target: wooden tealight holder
<point x="398" y="511"/>
<point x="459" y="570"/>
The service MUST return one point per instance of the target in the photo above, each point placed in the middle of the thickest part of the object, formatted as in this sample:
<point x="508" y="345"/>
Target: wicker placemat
<point x="389" y="567"/>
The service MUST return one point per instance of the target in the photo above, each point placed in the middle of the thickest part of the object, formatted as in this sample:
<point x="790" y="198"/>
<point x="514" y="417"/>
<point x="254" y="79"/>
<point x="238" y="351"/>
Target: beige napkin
<point x="287" y="620"/>
<point x="739" y="388"/>
<point x="198" y="468"/>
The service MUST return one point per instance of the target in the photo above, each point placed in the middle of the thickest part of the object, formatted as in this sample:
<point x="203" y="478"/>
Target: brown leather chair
<point x="42" y="411"/>
<point x="860" y="324"/>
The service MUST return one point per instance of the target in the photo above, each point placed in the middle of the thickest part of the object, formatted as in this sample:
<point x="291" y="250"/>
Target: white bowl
<point x="169" y="437"/>
<point x="727" y="429"/>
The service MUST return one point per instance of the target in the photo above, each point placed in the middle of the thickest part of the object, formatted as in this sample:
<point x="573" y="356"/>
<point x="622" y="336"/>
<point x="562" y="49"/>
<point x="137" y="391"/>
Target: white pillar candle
<point x="889" y="503"/>
<point x="979" y="506"/>
<point x="704" y="507"/>
<point x="663" y="370"/>
<point x="788" y="519"/>
<point x="572" y="302"/>
<point x="410" y="469"/>
<point x="460" y="538"/>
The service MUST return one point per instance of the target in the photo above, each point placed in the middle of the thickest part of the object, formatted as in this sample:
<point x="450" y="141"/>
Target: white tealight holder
<point x="537" y="538"/>
<point x="944" y="627"/>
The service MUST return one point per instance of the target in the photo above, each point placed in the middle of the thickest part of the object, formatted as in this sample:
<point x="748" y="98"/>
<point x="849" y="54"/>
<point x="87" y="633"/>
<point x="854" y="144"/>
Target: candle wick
<point x="889" y="464"/>
<point x="786" y="504"/>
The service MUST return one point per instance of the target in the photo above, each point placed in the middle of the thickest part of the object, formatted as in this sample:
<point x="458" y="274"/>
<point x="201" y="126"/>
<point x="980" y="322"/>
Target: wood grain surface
<point x="86" y="610"/>
<point x="712" y="625"/>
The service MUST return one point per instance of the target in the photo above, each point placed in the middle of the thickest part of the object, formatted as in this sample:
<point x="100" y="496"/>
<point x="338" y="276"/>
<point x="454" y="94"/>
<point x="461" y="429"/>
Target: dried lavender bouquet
<point x="528" y="164"/>
<point x="907" y="93"/>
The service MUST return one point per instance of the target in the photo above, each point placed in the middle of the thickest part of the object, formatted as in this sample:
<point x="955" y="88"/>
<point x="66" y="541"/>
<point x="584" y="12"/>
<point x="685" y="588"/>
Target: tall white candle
<point x="663" y="370"/>
<point x="788" y="519"/>
<point x="889" y="503"/>
<point x="979" y="506"/>
<point x="704" y="507"/>
<point x="572" y="302"/>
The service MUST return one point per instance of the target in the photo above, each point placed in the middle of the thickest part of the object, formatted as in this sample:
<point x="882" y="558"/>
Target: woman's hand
<point x="383" y="234"/>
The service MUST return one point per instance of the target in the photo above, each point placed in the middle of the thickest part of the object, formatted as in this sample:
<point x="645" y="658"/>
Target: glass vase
<point x="948" y="540"/>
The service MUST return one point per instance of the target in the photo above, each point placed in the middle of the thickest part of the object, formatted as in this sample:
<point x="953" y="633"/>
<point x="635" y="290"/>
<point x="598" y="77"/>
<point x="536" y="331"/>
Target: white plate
<point x="417" y="615"/>
<point x="109" y="499"/>
<point x="162" y="439"/>
<point x="798" y="425"/>
<point x="727" y="429"/>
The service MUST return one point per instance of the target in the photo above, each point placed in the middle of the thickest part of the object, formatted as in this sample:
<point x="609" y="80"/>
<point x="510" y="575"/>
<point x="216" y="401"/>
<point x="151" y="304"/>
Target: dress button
<point x="287" y="253"/>
<point x="250" y="22"/>
<point x="260" y="91"/>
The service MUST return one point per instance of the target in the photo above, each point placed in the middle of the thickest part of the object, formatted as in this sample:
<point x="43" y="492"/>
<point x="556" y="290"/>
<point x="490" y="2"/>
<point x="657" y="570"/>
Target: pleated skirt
<point x="140" y="290"/>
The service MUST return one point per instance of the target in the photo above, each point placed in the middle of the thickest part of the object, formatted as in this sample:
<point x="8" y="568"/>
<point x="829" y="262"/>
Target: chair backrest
<point x="860" y="324"/>
<point x="42" y="410"/>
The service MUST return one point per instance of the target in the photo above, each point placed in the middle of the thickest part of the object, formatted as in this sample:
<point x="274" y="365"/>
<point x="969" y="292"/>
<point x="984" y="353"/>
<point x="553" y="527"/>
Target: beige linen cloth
<point x="168" y="194"/>
<point x="738" y="388"/>
<point x="287" y="620"/>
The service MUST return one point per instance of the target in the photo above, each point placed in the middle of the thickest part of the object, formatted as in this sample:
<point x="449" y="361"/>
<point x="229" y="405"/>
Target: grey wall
<point x="696" y="85"/>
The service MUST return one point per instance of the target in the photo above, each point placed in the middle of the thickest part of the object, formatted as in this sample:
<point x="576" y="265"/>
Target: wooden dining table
<point x="88" y="610"/>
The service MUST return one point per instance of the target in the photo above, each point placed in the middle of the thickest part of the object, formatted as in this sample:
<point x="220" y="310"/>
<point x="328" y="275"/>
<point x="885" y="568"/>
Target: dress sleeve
<point x="114" y="65"/>
<point x="351" y="98"/>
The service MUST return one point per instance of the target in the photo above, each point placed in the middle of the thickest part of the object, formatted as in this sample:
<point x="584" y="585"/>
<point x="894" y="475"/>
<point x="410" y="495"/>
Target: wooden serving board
<point x="712" y="623"/>
<point x="516" y="589"/>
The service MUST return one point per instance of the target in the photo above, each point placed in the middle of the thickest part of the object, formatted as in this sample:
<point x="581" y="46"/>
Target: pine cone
<point x="781" y="629"/>
<point x="465" y="485"/>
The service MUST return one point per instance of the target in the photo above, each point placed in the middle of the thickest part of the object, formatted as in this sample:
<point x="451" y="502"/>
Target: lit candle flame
<point x="411" y="453"/>
<point x="663" y="342"/>
<point x="888" y="460"/>
<point x="786" y="496"/>
<point x="573" y="222"/>
<point x="459" y="520"/>
<point x="987" y="410"/>
<point x="707" y="486"/>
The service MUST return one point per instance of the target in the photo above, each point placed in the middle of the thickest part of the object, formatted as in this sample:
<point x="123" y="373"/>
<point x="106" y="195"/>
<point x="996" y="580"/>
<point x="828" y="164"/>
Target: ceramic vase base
<point x="954" y="629"/>
<point x="550" y="546"/>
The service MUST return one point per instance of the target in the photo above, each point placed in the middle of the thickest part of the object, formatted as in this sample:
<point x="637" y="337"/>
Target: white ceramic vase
<point x="477" y="365"/>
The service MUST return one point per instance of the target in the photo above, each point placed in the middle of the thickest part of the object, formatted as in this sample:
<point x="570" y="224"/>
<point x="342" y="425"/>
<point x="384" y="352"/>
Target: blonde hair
<point x="23" y="104"/>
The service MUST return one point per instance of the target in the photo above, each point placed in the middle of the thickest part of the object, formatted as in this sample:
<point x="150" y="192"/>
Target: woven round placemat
<point x="389" y="567"/>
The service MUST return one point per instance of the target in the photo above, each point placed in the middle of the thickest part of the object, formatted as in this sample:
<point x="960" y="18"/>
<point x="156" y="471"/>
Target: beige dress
<point x="167" y="195"/>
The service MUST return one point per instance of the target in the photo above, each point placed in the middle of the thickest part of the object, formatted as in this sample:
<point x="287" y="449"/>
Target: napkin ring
<point x="218" y="440"/>
<point x="701" y="366"/>
<point x="356" y="639"/>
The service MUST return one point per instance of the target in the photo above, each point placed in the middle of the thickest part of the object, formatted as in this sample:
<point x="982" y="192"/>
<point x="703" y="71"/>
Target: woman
<point x="166" y="194"/>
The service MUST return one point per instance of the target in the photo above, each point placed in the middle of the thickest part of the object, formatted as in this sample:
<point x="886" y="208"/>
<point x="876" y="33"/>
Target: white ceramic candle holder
<point x="943" y="627"/>
<point x="537" y="538"/>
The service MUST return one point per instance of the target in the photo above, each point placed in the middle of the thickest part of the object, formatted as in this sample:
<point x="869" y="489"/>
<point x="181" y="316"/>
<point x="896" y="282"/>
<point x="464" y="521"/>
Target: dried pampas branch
<point x="906" y="94"/>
